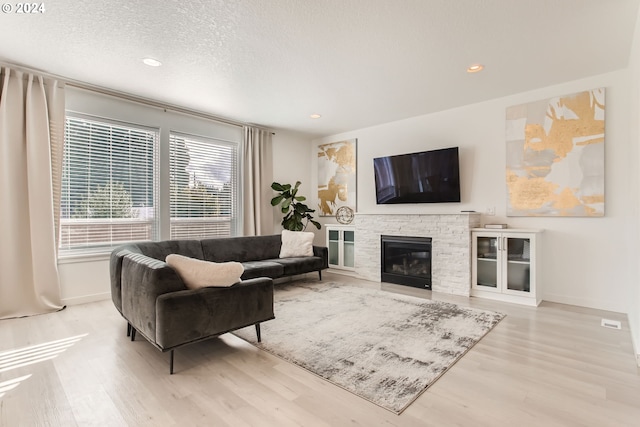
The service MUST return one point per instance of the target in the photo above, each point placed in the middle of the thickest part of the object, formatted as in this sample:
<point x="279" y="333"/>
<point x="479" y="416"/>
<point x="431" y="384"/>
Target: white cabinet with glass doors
<point x="341" y="244"/>
<point x="505" y="265"/>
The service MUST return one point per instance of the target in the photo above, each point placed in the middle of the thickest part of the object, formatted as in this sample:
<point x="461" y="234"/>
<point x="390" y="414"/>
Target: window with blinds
<point x="204" y="187"/>
<point x="109" y="185"/>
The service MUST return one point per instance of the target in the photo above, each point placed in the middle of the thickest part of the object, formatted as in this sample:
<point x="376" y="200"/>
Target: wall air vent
<point x="612" y="324"/>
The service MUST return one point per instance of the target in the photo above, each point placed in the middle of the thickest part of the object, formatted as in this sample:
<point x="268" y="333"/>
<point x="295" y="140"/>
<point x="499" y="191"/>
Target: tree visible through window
<point x="108" y="184"/>
<point x="110" y="200"/>
<point x="203" y="179"/>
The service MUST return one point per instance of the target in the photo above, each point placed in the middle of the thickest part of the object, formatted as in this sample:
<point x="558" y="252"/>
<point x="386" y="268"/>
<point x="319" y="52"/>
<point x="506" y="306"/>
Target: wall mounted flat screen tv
<point x="424" y="177"/>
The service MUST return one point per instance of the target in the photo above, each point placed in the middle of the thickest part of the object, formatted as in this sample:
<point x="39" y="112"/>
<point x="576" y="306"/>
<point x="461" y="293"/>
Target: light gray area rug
<point x="384" y="347"/>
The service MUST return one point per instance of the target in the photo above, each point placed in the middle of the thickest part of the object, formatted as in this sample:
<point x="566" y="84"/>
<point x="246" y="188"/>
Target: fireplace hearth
<point x="406" y="260"/>
<point x="450" y="248"/>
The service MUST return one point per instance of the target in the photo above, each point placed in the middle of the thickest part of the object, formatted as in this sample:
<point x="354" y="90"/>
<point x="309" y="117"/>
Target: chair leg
<point x="258" y="332"/>
<point x="133" y="333"/>
<point x="171" y="363"/>
<point x="128" y="329"/>
<point x="320" y="274"/>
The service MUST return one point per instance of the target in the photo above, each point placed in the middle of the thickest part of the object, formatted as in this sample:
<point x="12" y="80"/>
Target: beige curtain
<point x="31" y="142"/>
<point x="258" y="176"/>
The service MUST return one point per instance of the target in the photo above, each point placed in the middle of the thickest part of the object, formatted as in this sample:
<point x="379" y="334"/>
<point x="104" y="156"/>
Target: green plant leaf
<point x="296" y="215"/>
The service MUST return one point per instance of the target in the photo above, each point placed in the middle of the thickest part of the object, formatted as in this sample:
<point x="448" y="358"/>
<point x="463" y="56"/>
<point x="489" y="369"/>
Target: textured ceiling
<point x="357" y="62"/>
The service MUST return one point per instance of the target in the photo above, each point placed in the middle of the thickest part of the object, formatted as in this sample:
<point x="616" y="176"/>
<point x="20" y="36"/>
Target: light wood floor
<point x="548" y="366"/>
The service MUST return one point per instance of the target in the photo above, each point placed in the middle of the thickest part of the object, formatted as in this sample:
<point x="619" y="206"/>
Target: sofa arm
<point x="115" y="272"/>
<point x="192" y="315"/>
<point x="143" y="280"/>
<point x="322" y="252"/>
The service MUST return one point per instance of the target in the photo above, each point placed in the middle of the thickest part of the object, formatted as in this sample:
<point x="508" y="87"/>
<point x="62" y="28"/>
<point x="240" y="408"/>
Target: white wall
<point x="292" y="162"/>
<point x="586" y="261"/>
<point x="84" y="280"/>
<point x="634" y="159"/>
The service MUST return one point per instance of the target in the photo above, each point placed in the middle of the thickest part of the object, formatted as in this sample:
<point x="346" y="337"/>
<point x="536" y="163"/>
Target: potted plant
<point x="297" y="215"/>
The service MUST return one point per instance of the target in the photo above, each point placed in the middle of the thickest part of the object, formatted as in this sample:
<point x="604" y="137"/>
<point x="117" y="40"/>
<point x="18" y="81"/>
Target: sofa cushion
<point x="198" y="274"/>
<point x="262" y="269"/>
<point x="300" y="265"/>
<point x="241" y="249"/>
<point x="159" y="250"/>
<point x="296" y="244"/>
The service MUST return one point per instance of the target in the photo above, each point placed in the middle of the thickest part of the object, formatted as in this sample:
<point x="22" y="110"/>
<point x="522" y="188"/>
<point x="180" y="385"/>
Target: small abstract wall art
<point x="336" y="176"/>
<point x="555" y="156"/>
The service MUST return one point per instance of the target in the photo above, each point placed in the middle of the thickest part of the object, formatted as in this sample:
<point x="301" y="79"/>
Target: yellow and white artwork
<point x="336" y="176"/>
<point x="555" y="156"/>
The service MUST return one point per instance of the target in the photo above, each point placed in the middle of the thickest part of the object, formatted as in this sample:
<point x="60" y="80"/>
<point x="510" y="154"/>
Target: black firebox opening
<point x="406" y="260"/>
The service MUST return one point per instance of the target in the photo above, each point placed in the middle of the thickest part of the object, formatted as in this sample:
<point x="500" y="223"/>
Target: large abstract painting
<point x="555" y="156"/>
<point x="336" y="176"/>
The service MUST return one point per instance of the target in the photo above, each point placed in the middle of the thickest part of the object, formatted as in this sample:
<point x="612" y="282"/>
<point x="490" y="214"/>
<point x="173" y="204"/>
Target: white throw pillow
<point x="296" y="243"/>
<point x="197" y="274"/>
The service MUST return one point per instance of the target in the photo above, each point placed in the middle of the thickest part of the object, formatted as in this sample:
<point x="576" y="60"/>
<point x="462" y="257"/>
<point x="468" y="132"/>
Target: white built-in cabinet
<point x="341" y="244"/>
<point x="505" y="265"/>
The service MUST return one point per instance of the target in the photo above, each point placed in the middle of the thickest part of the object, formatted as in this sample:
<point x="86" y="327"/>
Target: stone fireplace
<point x="450" y="245"/>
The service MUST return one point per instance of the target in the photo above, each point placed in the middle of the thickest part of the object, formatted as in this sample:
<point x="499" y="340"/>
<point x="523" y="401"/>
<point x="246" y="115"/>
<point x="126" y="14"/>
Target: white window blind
<point x="204" y="187"/>
<point x="109" y="185"/>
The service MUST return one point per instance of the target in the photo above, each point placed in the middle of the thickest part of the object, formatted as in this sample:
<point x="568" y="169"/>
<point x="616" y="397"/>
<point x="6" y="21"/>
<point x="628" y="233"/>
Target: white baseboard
<point x="583" y="302"/>
<point x="350" y="273"/>
<point x="634" y="334"/>
<point x="86" y="299"/>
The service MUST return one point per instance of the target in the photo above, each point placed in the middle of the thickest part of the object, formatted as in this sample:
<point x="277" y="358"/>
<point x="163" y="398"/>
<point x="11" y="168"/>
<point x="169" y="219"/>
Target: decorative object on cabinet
<point x="505" y="265"/>
<point x="555" y="156"/>
<point x="344" y="215"/>
<point x="336" y="176"/>
<point x="341" y="244"/>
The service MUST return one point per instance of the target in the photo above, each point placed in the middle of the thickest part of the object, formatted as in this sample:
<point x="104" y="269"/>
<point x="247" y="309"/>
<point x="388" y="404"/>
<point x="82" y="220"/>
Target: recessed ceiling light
<point x="152" y="62"/>
<point x="475" y="68"/>
<point x="315" y="116"/>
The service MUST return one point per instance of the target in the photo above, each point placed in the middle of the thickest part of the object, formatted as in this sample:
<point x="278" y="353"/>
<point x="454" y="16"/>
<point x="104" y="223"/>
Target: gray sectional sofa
<point x="153" y="299"/>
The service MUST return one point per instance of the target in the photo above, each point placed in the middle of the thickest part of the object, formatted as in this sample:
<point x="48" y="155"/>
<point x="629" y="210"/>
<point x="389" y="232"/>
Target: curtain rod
<point x="133" y="98"/>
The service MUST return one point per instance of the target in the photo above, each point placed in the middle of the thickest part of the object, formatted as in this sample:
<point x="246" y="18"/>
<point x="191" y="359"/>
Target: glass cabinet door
<point x="334" y="247"/>
<point x="349" y="248"/>
<point x="518" y="263"/>
<point x="487" y="262"/>
<point x="341" y="244"/>
<point x="505" y="265"/>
